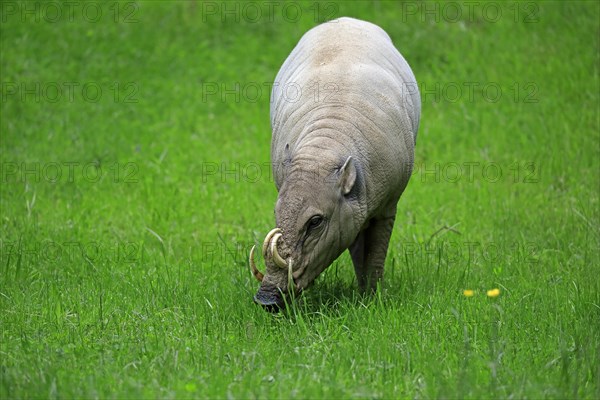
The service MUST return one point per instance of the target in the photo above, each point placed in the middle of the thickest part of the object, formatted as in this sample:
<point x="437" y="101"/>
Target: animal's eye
<point x="314" y="222"/>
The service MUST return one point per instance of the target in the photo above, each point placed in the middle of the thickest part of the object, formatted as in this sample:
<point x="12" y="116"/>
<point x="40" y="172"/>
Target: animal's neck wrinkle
<point x="331" y="120"/>
<point x="325" y="143"/>
<point x="315" y="161"/>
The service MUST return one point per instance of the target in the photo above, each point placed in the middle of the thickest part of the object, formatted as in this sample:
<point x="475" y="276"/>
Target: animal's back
<point x="347" y="75"/>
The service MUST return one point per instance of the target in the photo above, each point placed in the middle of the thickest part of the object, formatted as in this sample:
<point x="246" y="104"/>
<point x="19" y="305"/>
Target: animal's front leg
<point x="357" y="251"/>
<point x="370" y="250"/>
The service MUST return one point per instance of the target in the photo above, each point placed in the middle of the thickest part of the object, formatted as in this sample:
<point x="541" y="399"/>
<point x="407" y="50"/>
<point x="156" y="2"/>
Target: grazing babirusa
<point x="345" y="111"/>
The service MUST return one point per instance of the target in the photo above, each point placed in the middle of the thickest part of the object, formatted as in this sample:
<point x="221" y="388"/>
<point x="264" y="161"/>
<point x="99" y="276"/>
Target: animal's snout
<point x="271" y="300"/>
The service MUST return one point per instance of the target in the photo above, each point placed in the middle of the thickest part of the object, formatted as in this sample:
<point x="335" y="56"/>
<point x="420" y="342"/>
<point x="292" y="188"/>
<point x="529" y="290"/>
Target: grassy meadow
<point x="135" y="177"/>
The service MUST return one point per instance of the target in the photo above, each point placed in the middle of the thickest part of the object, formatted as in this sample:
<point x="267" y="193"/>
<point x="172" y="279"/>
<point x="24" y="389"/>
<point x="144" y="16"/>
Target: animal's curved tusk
<point x="255" y="272"/>
<point x="299" y="272"/>
<point x="268" y="240"/>
<point x="281" y="263"/>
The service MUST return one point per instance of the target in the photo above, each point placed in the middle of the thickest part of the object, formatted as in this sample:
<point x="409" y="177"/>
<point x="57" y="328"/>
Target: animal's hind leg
<point x="370" y="250"/>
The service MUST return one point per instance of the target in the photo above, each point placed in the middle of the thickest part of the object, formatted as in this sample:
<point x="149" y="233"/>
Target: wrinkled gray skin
<point x="345" y="111"/>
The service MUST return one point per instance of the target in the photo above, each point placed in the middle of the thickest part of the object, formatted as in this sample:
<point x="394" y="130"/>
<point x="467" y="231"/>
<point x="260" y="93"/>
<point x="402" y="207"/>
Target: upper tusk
<point x="281" y="263"/>
<point x="257" y="274"/>
<point x="268" y="240"/>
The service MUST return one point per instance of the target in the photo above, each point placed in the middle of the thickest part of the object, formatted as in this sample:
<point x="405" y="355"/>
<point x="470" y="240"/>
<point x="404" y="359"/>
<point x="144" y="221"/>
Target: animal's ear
<point x="285" y="164"/>
<point x="287" y="155"/>
<point x="347" y="176"/>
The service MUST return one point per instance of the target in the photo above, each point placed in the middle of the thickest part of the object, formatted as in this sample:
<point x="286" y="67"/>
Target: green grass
<point x="135" y="283"/>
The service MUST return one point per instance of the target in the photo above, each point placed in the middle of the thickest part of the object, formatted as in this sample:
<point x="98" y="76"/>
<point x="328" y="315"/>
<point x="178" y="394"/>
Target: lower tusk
<point x="297" y="274"/>
<point x="281" y="263"/>
<point x="255" y="272"/>
<point x="291" y="283"/>
<point x="268" y="240"/>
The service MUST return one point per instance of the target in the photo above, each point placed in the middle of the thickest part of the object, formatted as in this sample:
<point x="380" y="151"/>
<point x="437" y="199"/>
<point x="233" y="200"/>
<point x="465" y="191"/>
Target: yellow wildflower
<point x="468" y="293"/>
<point x="493" y="292"/>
